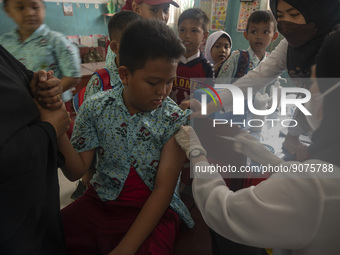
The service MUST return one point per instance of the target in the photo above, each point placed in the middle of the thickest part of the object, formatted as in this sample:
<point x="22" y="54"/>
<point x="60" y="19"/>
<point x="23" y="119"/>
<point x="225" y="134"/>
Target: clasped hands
<point x="46" y="89"/>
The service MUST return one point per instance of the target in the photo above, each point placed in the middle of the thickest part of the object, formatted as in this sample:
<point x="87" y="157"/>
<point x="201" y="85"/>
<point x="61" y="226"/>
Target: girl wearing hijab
<point x="295" y="212"/>
<point x="218" y="49"/>
<point x="304" y="24"/>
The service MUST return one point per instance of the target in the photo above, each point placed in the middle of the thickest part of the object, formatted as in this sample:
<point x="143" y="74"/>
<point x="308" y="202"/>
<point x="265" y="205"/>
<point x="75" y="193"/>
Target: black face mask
<point x="297" y="34"/>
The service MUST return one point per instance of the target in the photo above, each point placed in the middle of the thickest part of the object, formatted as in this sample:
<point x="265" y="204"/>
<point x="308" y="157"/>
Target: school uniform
<point x="229" y="68"/>
<point x="45" y="50"/>
<point x="128" y="151"/>
<point x="195" y="67"/>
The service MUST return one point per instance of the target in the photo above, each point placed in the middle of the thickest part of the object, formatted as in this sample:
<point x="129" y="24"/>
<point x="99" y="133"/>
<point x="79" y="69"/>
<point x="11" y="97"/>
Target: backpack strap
<point x="78" y="99"/>
<point x="242" y="65"/>
<point x="104" y="78"/>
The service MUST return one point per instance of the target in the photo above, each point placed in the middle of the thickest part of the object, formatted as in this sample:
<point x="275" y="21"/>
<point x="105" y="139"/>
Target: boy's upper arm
<point x="170" y="165"/>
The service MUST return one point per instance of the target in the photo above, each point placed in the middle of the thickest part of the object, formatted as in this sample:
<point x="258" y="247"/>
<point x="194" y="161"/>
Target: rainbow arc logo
<point x="210" y="94"/>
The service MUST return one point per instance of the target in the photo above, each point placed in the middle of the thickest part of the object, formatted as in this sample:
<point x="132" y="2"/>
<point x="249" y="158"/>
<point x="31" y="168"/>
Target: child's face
<point x="220" y="51"/>
<point x="147" y="88"/>
<point x="28" y="14"/>
<point x="192" y="36"/>
<point x="160" y="11"/>
<point x="260" y="35"/>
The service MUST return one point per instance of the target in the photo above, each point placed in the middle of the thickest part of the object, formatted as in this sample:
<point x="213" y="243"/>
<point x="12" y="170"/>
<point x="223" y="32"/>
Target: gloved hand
<point x="187" y="139"/>
<point x="252" y="148"/>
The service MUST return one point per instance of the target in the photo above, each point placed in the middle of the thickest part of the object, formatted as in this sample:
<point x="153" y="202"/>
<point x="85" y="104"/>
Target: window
<point x="175" y="12"/>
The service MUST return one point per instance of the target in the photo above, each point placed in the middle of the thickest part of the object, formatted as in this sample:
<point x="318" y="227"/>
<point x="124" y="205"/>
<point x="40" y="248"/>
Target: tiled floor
<point x="66" y="189"/>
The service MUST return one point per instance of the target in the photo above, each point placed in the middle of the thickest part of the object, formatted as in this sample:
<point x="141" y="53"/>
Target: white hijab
<point x="211" y="41"/>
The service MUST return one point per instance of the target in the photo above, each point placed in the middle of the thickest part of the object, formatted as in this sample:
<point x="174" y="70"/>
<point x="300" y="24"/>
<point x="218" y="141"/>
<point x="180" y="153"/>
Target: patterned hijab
<point x="325" y="14"/>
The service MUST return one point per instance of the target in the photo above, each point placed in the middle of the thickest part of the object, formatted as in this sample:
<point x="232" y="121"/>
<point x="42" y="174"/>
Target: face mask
<point x="314" y="106"/>
<point x="297" y="34"/>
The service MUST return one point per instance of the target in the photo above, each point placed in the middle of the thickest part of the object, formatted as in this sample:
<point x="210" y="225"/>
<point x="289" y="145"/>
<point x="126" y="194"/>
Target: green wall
<point x="85" y="21"/>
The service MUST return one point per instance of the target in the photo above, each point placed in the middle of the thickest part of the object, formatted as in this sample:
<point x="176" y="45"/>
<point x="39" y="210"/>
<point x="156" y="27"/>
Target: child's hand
<point x="59" y="119"/>
<point x="47" y="89"/>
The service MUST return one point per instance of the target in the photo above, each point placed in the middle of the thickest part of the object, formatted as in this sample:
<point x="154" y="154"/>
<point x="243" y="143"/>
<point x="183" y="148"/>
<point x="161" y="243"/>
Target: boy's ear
<point x="135" y="7"/>
<point x="245" y="34"/>
<point x="114" y="46"/>
<point x="123" y="74"/>
<point x="276" y="34"/>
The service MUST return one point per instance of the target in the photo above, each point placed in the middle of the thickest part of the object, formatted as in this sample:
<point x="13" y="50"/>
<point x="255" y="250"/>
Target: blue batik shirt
<point x="123" y="140"/>
<point x="44" y="50"/>
<point x="94" y="85"/>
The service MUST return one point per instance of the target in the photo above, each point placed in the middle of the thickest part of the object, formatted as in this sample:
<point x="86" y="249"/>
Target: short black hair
<point x="119" y="21"/>
<point x="259" y="16"/>
<point x="195" y="14"/>
<point x="147" y="39"/>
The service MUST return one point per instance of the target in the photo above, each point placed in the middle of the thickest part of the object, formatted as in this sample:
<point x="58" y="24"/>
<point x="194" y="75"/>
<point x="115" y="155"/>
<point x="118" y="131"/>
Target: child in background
<point x="116" y="26"/>
<point x="193" y="31"/>
<point x="149" y="9"/>
<point x="153" y="9"/>
<point x="130" y="206"/>
<point x="37" y="47"/>
<point x="260" y="32"/>
<point x="218" y="49"/>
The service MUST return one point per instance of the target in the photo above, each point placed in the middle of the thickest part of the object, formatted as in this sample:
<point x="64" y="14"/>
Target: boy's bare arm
<point x="69" y="82"/>
<point x="171" y="163"/>
<point x="76" y="163"/>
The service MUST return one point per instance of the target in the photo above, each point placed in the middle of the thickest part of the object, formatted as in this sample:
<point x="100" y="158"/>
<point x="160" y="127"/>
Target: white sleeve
<point x="280" y="212"/>
<point x="269" y="69"/>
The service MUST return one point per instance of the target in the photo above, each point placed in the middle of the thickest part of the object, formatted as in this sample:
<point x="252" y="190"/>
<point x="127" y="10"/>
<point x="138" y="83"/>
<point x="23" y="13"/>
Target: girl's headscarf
<point x="326" y="139"/>
<point x="325" y="14"/>
<point x="211" y="41"/>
